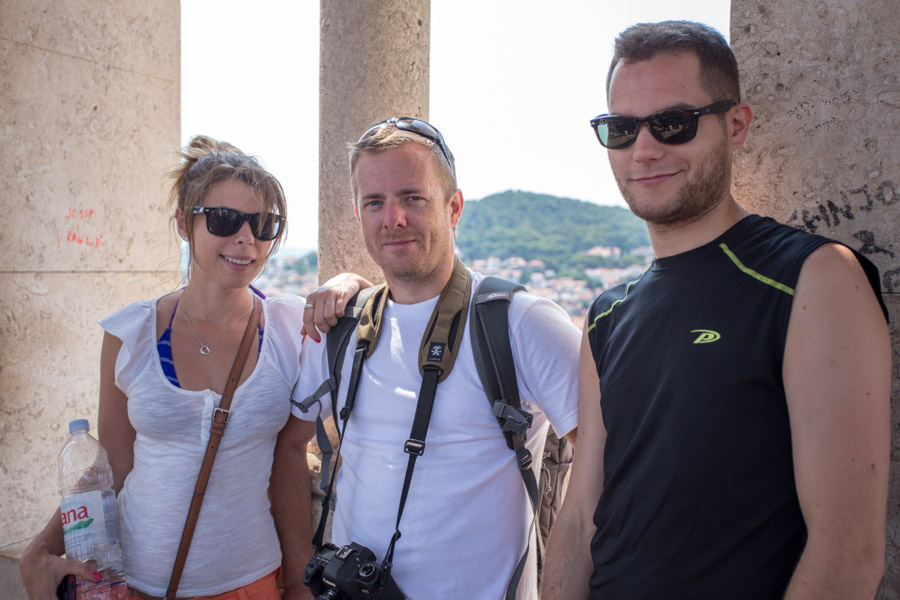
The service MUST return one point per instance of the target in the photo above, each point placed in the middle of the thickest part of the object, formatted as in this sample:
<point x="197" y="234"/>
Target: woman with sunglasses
<point x="164" y="366"/>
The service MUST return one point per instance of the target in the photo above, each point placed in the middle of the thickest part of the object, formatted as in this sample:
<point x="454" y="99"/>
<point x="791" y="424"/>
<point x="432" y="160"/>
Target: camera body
<point x="350" y="572"/>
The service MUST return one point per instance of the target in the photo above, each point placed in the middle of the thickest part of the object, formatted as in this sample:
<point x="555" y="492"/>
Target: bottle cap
<point x="79" y="425"/>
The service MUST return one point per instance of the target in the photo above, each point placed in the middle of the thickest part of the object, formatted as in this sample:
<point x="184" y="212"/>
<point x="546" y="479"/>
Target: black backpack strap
<point x="496" y="369"/>
<point x="338" y="337"/>
<point x="336" y="341"/>
<point x="494" y="359"/>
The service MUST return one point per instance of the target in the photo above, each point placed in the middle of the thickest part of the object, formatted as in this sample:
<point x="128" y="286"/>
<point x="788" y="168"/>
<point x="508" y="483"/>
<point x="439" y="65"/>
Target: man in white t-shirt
<point x="465" y="523"/>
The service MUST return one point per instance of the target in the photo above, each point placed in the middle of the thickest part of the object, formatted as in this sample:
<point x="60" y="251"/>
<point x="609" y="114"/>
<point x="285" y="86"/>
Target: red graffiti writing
<point x="73" y="235"/>
<point x="87" y="240"/>
<point x="80" y="213"/>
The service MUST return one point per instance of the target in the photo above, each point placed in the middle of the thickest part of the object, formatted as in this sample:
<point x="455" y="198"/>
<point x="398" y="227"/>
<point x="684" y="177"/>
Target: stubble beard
<point x="420" y="267"/>
<point x="693" y="200"/>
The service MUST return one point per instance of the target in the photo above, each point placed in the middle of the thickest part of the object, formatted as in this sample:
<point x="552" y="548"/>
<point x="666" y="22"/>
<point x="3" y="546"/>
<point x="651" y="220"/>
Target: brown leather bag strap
<point x="219" y="420"/>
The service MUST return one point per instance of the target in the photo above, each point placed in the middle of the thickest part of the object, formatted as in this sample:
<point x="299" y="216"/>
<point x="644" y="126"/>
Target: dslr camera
<point x="350" y="572"/>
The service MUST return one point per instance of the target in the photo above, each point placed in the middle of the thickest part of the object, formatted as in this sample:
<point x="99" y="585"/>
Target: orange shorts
<point x="264" y="588"/>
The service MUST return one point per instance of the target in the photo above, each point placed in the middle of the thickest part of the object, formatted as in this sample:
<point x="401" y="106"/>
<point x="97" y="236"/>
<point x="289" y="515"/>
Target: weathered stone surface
<point x="100" y="32"/>
<point x="9" y="573"/>
<point x="86" y="173"/>
<point x="89" y="120"/>
<point x="374" y="65"/>
<point x="823" y="83"/>
<point x="49" y="375"/>
<point x="822" y="152"/>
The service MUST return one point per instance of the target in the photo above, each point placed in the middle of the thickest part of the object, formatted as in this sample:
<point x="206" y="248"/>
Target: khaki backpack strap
<point x="443" y="335"/>
<point x="445" y="328"/>
<point x="370" y="319"/>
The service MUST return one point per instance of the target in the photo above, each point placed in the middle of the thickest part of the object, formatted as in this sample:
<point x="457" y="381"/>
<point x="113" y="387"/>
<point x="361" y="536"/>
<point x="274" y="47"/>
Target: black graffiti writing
<point x="883" y="189"/>
<point x="864" y="190"/>
<point x="869" y="246"/>
<point x="890" y="281"/>
<point x="831" y="214"/>
<point x="802" y="109"/>
<point x="809" y="131"/>
<point x="805" y="108"/>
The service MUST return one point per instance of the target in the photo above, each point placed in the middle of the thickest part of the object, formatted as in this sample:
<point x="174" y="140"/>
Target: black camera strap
<point x="415" y="447"/>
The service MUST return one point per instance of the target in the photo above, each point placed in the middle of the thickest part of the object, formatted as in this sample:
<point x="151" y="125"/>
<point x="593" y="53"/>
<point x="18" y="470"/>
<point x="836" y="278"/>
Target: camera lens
<point x="367" y="571"/>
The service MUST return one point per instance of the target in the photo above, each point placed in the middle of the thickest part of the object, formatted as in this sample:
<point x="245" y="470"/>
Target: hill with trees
<point x="558" y="231"/>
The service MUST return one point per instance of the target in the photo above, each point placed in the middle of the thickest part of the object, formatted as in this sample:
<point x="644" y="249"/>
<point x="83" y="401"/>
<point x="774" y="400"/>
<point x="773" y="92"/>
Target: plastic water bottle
<point x="89" y="517"/>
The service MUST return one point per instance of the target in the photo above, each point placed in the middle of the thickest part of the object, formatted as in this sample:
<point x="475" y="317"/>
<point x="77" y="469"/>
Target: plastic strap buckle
<point x="327" y="386"/>
<point x="515" y="421"/>
<point x="523" y="455"/>
<point x="416" y="447"/>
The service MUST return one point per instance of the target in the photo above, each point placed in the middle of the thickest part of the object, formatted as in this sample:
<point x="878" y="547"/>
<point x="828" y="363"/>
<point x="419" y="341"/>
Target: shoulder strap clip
<point x="328" y="386"/>
<point x="513" y="420"/>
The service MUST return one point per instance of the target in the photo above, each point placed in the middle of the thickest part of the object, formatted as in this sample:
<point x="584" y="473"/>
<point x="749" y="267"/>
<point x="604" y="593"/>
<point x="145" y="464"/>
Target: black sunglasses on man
<point x="419" y="127"/>
<point x="677" y="126"/>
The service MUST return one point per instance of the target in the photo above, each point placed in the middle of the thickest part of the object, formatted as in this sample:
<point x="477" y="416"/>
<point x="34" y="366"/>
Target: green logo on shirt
<point x="706" y="336"/>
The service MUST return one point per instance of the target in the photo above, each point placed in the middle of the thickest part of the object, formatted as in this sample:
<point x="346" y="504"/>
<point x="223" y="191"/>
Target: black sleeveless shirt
<point x="699" y="499"/>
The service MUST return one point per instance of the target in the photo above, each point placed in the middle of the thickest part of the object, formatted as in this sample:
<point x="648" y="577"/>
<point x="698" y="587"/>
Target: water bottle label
<point x="84" y="524"/>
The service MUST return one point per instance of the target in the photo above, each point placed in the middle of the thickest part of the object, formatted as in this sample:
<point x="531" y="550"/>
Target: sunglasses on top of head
<point x="225" y="222"/>
<point x="678" y="126"/>
<point x="417" y="126"/>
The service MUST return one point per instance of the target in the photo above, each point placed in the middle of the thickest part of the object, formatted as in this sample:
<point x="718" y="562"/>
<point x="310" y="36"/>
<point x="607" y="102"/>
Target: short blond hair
<point x="388" y="137"/>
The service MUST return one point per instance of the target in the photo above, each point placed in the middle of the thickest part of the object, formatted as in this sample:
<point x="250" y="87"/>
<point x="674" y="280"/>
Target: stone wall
<point x="374" y="64"/>
<point x="822" y="78"/>
<point x="89" y="117"/>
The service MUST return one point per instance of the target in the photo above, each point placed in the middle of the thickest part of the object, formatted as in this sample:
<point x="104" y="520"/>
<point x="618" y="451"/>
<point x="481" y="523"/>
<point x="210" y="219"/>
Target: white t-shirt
<point x="235" y="541"/>
<point x="466" y="517"/>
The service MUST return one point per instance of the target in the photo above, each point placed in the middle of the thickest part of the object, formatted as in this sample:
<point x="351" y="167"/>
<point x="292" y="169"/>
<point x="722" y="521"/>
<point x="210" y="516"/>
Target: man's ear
<point x="456" y="207"/>
<point x="739" y="124"/>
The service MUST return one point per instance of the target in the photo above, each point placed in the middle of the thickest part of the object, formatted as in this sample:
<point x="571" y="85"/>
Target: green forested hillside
<point x="556" y="230"/>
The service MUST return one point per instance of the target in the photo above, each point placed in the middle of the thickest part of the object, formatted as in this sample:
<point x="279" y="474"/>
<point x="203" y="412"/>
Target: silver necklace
<point x="204" y="348"/>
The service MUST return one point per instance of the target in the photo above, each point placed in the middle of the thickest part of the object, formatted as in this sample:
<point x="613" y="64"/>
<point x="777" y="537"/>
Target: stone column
<point x="822" y="155"/>
<point x="373" y="65"/>
<point x="89" y="117"/>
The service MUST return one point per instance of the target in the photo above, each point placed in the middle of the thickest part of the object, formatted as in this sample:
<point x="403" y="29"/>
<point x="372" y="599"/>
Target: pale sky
<point x="513" y="86"/>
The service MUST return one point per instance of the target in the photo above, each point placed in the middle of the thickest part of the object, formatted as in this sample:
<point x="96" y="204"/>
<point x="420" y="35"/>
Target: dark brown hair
<point x="718" y="65"/>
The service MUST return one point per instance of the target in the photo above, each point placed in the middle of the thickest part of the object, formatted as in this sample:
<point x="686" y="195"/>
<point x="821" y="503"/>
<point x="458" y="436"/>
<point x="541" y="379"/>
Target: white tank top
<point x="235" y="541"/>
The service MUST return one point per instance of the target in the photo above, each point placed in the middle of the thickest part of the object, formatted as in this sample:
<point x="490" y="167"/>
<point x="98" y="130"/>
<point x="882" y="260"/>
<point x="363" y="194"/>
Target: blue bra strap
<point x="164" y="348"/>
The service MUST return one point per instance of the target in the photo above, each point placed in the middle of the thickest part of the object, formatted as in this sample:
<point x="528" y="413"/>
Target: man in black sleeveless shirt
<point x="734" y="411"/>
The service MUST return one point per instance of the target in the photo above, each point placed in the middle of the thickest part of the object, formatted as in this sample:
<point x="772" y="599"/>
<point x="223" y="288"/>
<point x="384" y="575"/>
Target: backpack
<point x="493" y="357"/>
<point x="489" y="325"/>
